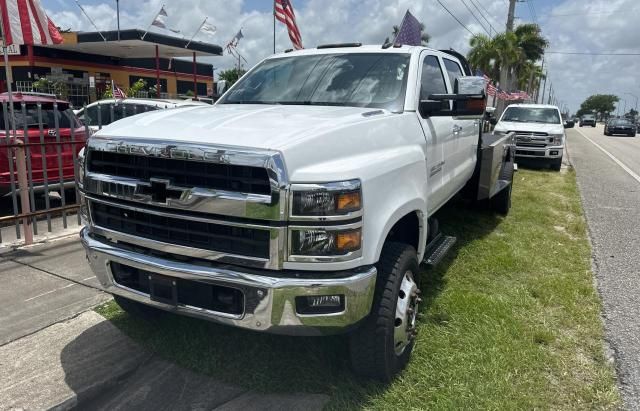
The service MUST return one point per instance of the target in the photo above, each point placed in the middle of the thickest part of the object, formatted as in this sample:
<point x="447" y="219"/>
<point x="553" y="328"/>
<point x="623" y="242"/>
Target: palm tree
<point x="483" y="55"/>
<point x="530" y="40"/>
<point x="424" y="36"/>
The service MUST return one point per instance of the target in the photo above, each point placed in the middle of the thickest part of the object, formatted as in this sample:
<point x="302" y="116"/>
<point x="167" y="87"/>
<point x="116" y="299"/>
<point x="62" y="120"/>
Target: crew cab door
<point x="460" y="152"/>
<point x="437" y="131"/>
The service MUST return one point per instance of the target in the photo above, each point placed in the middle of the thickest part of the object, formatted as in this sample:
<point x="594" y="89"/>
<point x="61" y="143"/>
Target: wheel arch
<point x="407" y="225"/>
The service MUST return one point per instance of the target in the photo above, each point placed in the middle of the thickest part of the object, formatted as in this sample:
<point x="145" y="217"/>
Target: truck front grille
<point x="245" y="241"/>
<point x="185" y="173"/>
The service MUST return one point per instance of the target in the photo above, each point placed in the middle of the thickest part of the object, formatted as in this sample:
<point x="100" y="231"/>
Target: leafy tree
<point x="231" y="75"/>
<point x="138" y="86"/>
<point x="632" y="113"/>
<point x="424" y="36"/>
<point x="598" y="103"/>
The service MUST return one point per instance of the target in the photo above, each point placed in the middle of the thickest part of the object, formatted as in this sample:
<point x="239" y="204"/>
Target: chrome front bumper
<point x="273" y="299"/>
<point x="542" y="152"/>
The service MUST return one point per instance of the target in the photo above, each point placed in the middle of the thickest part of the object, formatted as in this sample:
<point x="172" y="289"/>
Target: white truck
<point x="302" y="203"/>
<point x="539" y="131"/>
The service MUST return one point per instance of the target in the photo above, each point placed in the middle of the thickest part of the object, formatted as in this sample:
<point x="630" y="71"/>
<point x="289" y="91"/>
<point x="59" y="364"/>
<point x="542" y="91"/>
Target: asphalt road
<point x="608" y="171"/>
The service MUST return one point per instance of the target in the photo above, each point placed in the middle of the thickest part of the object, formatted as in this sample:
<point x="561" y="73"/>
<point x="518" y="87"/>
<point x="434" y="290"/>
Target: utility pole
<point x="550" y="92"/>
<point x="511" y="15"/>
<point x="543" y="88"/>
<point x="118" y="17"/>
<point x="505" y="70"/>
<point x="540" y="82"/>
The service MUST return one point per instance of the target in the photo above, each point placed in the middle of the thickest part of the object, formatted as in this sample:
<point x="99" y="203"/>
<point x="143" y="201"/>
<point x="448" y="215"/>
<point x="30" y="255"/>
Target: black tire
<point x="371" y="346"/>
<point x="501" y="202"/>
<point x="632" y="135"/>
<point x="137" y="309"/>
<point x="556" y="164"/>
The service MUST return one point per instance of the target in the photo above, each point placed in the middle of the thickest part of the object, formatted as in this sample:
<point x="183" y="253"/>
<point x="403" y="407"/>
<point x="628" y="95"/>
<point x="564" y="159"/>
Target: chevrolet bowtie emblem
<point x="160" y="190"/>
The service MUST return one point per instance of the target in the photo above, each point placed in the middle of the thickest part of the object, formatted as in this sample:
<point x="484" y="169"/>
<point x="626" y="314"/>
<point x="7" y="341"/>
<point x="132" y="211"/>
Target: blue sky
<point x="570" y="25"/>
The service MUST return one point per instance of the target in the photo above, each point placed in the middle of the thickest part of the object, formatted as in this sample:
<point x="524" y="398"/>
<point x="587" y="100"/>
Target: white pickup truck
<point x="302" y="203"/>
<point x="539" y="131"/>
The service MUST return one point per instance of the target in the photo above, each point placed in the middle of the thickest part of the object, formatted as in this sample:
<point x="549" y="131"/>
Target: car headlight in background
<point x="318" y="201"/>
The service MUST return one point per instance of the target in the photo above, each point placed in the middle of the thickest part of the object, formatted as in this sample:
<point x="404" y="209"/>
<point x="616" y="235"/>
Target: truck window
<point x="532" y="115"/>
<point x="453" y="70"/>
<point x="432" y="80"/>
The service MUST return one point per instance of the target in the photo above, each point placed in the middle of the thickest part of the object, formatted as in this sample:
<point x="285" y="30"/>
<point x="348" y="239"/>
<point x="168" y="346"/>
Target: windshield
<point x="532" y="115"/>
<point x="359" y="79"/>
<point x="588" y="117"/>
<point x="621" y="122"/>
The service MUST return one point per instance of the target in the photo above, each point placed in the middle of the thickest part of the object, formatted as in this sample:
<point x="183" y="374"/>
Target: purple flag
<point x="409" y="33"/>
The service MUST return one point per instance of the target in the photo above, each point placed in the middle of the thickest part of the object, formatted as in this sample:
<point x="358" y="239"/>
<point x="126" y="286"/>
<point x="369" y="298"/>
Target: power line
<point x="476" y="17"/>
<point x="588" y="53"/>
<point x="532" y="11"/>
<point x="456" y="19"/>
<point x="473" y="2"/>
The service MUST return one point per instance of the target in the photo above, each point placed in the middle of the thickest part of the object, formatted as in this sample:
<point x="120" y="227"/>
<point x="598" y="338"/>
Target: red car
<point x="67" y="121"/>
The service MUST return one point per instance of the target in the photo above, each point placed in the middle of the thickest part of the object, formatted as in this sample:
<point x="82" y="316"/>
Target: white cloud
<point x="322" y="21"/>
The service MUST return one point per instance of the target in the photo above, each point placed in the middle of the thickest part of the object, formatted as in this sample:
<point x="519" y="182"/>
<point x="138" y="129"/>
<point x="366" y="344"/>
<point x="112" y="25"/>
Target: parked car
<point x="620" y="126"/>
<point x="539" y="130"/>
<point x="588" y="120"/>
<point x="43" y="159"/>
<point x="101" y="113"/>
<point x="302" y="202"/>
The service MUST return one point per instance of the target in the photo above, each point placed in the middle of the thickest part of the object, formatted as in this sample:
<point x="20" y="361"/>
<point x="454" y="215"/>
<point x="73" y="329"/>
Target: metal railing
<point x="36" y="160"/>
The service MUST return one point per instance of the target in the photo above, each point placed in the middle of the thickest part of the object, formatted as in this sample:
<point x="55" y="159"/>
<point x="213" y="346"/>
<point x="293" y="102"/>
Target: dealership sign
<point x="13" y="50"/>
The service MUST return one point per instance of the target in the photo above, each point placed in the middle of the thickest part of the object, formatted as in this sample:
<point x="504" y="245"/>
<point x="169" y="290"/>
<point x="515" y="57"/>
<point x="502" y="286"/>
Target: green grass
<point x="511" y="321"/>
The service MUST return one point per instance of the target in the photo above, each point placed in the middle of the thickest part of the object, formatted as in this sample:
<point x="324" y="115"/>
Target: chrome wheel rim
<point x="404" y="331"/>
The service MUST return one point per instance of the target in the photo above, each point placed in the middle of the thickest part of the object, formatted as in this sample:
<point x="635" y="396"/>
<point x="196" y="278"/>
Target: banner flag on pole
<point x="410" y="32"/>
<point x="25" y="22"/>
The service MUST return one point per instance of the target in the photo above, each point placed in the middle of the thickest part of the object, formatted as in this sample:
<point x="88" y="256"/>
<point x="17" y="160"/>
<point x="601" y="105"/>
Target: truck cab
<point x="301" y="203"/>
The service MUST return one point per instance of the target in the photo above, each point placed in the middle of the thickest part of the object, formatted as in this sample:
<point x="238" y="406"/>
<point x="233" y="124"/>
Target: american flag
<point x="25" y="22"/>
<point x="491" y="89"/>
<point x="118" y="93"/>
<point x="409" y="32"/>
<point x="283" y="11"/>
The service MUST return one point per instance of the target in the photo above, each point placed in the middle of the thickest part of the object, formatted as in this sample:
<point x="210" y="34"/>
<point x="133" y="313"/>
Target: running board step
<point x="437" y="249"/>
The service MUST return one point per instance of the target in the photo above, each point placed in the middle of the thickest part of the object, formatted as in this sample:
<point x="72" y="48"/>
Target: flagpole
<point x="196" y="33"/>
<point x="154" y="19"/>
<point x="94" y="24"/>
<point x="274" y="26"/>
<point x="8" y="76"/>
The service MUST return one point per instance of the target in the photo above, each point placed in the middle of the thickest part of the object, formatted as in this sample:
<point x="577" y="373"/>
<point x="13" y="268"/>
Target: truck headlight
<point x="80" y="169"/>
<point x="323" y="242"/>
<point x="336" y="199"/>
<point x="557" y="139"/>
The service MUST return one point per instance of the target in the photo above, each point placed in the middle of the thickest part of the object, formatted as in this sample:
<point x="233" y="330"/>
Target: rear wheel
<point x="382" y="346"/>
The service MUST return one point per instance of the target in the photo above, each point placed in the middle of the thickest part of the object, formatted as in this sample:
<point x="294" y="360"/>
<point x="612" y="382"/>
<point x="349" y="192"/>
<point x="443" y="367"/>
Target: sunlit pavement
<point x="608" y="171"/>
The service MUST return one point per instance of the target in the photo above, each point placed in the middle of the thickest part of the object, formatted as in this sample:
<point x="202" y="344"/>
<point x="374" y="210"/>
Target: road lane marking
<point x="49" y="292"/>
<point x="88" y="278"/>
<point x="611" y="156"/>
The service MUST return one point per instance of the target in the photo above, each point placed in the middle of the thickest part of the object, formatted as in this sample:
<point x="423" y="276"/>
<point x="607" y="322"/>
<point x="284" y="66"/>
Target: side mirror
<point x="469" y="100"/>
<point x="569" y="124"/>
<point x="493" y="121"/>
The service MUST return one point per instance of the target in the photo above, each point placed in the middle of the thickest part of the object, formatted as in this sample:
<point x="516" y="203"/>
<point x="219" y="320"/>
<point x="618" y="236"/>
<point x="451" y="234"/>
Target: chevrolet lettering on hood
<point x="169" y="151"/>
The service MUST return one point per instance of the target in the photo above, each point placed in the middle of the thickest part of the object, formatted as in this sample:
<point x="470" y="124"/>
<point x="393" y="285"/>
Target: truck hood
<point x="530" y="127"/>
<point x="275" y="127"/>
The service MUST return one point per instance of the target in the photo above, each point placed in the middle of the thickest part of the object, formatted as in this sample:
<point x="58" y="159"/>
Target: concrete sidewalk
<point x="56" y="352"/>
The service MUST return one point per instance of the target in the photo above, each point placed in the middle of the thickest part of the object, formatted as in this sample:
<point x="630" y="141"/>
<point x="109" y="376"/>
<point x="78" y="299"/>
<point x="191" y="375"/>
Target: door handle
<point x="456" y="128"/>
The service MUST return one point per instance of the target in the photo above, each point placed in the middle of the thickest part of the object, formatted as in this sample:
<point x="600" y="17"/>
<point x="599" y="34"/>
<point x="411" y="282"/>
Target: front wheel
<point x="382" y="346"/>
<point x="556" y="164"/>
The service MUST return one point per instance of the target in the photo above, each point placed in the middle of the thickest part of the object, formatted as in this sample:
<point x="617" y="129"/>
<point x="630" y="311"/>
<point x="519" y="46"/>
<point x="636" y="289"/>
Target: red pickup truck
<point x="41" y="156"/>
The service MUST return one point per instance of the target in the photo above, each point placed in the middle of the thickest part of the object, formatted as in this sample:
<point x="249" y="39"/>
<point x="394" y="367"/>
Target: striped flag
<point x="117" y="92"/>
<point x="25" y="22"/>
<point x="283" y="11"/>
<point x="491" y="89"/>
